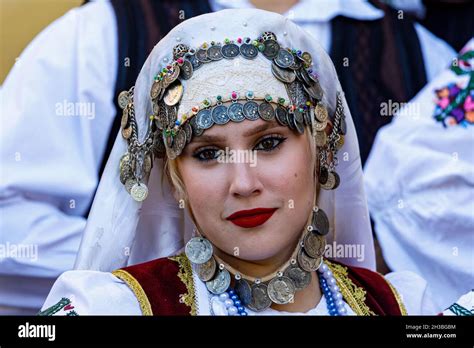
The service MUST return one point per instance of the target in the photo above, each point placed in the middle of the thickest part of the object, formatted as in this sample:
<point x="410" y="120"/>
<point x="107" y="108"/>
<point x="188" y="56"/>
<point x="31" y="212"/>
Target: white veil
<point x="121" y="231"/>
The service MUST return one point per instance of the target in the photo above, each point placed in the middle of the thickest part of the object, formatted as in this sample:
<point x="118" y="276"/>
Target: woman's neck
<point x="304" y="300"/>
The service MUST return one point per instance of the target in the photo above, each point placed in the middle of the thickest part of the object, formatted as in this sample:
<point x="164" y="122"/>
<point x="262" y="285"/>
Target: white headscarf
<point x="121" y="231"/>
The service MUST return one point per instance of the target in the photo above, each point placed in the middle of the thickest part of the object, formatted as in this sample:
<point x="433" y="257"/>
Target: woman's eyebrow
<point x="206" y="138"/>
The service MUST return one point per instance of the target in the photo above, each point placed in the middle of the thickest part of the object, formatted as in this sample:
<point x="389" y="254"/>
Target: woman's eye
<point x="207" y="155"/>
<point x="269" y="143"/>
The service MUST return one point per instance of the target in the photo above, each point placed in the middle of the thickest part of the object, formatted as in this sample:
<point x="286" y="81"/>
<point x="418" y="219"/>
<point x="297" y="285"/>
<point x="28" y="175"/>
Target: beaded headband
<point x="168" y="132"/>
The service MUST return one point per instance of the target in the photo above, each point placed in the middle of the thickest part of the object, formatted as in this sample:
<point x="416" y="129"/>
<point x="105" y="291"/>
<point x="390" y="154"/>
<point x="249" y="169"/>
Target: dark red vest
<point x="165" y="287"/>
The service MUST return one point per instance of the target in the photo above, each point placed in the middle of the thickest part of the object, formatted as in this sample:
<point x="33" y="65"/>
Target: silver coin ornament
<point x="260" y="300"/>
<point x="220" y="283"/>
<point x="243" y="290"/>
<point x="266" y="112"/>
<point x="300" y="277"/>
<point x="314" y="244"/>
<point x="320" y="222"/>
<point x="251" y="110"/>
<point x="207" y="270"/>
<point x="219" y="115"/>
<point x="236" y="112"/>
<point x="281" y="290"/>
<point x="198" y="250"/>
<point x="204" y="119"/>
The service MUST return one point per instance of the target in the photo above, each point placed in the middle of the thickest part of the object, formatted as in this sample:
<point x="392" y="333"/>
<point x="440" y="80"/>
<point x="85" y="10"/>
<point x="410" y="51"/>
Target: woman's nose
<point x="244" y="180"/>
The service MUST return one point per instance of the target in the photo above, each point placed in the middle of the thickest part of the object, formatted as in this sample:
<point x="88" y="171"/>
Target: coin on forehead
<point x="173" y="94"/>
<point x="236" y="112"/>
<point x="196" y="63"/>
<point x="201" y="55"/>
<point x="188" y="129"/>
<point x="266" y="112"/>
<point x="260" y="300"/>
<point x="219" y="115"/>
<point x="281" y="115"/>
<point x="251" y="110"/>
<point x="314" y="244"/>
<point x="197" y="131"/>
<point x="300" y="277"/>
<point x="270" y="48"/>
<point x="214" y="53"/>
<point x="155" y="89"/>
<point x="284" y="59"/>
<point x="281" y="290"/>
<point x="220" y="283"/>
<point x="248" y="51"/>
<point x="179" y="141"/>
<point x="198" y="250"/>
<point x="186" y="70"/>
<point x="207" y="270"/>
<point x="299" y="126"/>
<point x="204" y="119"/>
<point x="230" y="50"/>
<point x="284" y="75"/>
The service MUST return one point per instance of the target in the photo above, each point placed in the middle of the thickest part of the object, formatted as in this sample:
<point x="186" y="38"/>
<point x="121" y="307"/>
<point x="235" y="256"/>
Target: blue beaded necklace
<point x="228" y="303"/>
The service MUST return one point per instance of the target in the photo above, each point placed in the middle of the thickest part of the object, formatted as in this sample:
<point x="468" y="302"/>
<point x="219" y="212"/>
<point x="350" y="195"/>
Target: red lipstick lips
<point x="251" y="218"/>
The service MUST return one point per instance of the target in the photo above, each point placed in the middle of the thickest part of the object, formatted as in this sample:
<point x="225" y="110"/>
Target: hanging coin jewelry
<point x="198" y="250"/>
<point x="207" y="270"/>
<point x="300" y="277"/>
<point x="173" y="94"/>
<point x="260" y="300"/>
<point x="281" y="290"/>
<point x="220" y="283"/>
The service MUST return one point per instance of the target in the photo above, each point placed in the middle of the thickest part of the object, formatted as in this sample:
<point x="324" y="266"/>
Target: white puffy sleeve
<point x="414" y="293"/>
<point x="90" y="293"/>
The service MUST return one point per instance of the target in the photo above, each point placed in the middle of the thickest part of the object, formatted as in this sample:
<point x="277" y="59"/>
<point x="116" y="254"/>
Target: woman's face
<point x="278" y="174"/>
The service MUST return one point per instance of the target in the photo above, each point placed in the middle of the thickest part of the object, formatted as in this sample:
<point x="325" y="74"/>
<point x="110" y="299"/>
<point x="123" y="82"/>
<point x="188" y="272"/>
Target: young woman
<point x="241" y="160"/>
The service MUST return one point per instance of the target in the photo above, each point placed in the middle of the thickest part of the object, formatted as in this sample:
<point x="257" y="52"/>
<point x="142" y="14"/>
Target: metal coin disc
<point x="299" y="127"/>
<point x="220" y="283"/>
<point x="291" y="120"/>
<point x="298" y="115"/>
<point x="179" y="141"/>
<point x="196" y="63"/>
<point x="156" y="108"/>
<point x="186" y="70"/>
<point x="323" y="175"/>
<point x="281" y="290"/>
<point x="168" y="79"/>
<point x="127" y="132"/>
<point x="173" y="94"/>
<point x="300" y="277"/>
<point x="139" y="191"/>
<point x="297" y="65"/>
<point x="124" y="120"/>
<point x="129" y="184"/>
<point x="230" y="51"/>
<point x="314" y="244"/>
<point x="330" y="182"/>
<point x="201" y="55"/>
<point x="266" y="112"/>
<point x="214" y="53"/>
<point x="248" y="51"/>
<point x="306" y="57"/>
<point x="337" y="180"/>
<point x="251" y="110"/>
<point x="155" y="90"/>
<point x="321" y="138"/>
<point x="284" y="59"/>
<point x="123" y="99"/>
<point x="320" y="113"/>
<point x="305" y="77"/>
<point x="220" y="115"/>
<point x="320" y="223"/>
<point x="281" y="115"/>
<point x="198" y="250"/>
<point x="204" y="119"/>
<point x="308" y="263"/>
<point x="320" y="126"/>
<point x="243" y="290"/>
<point x="207" y="270"/>
<point x="236" y="112"/>
<point x="188" y="129"/>
<point x="270" y="49"/>
<point x="147" y="164"/>
<point x="314" y="90"/>
<point x="285" y="76"/>
<point x="197" y="131"/>
<point x="307" y="117"/>
<point x="260" y="300"/>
